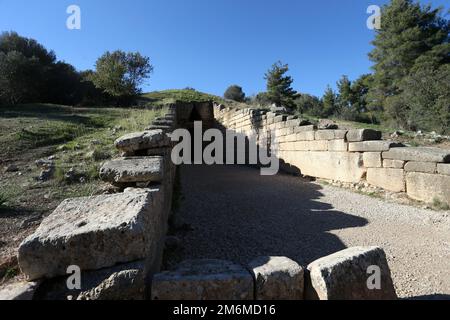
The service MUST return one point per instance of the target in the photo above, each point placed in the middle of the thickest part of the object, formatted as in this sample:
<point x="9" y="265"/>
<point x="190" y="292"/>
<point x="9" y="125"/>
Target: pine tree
<point x="408" y="31"/>
<point x="279" y="90"/>
<point x="329" y="101"/>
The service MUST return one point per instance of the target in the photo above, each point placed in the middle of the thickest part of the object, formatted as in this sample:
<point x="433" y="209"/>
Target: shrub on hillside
<point x="234" y="93"/>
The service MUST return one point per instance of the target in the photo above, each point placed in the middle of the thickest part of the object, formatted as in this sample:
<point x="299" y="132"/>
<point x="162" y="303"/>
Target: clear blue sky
<point x="209" y="44"/>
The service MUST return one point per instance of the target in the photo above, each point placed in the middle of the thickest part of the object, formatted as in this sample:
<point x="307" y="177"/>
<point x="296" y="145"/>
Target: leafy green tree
<point x="279" y="86"/>
<point x="120" y="74"/>
<point x="309" y="104"/>
<point x="345" y="96"/>
<point x="408" y="31"/>
<point x="235" y="93"/>
<point x="330" y="102"/>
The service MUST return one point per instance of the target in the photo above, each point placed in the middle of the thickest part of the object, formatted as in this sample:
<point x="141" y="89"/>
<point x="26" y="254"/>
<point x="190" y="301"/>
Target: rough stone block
<point x="305" y="128"/>
<point x="345" y="276"/>
<point x="325" y="135"/>
<point x="340" y="134"/>
<point x="372" y="160"/>
<point x="121" y="282"/>
<point x="20" y="291"/>
<point x="387" y="178"/>
<point x="419" y="154"/>
<point x="93" y="233"/>
<point x="337" y="145"/>
<point x="428" y="187"/>
<point x="443" y="168"/>
<point x="306" y="136"/>
<point x="204" y="280"/>
<point x="425" y="167"/>
<point x="363" y="135"/>
<point x="135" y="169"/>
<point x="143" y="140"/>
<point x="277" y="278"/>
<point x="372" y="146"/>
<point x="395" y="164"/>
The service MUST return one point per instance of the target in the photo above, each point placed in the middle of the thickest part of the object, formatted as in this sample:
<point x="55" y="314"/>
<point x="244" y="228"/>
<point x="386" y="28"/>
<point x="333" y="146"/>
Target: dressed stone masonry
<point x="352" y="156"/>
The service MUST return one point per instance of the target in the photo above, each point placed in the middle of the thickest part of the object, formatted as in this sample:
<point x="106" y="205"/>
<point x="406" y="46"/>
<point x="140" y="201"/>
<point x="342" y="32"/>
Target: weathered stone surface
<point x="344" y="276"/>
<point x="337" y="145"/>
<point x="426" y="167"/>
<point x="303" y="128"/>
<point x="318" y="145"/>
<point x="204" y="280"/>
<point x="387" y="178"/>
<point x="372" y="160"/>
<point x="306" y="136"/>
<point x="142" y="141"/>
<point x="428" y="187"/>
<point x="363" y="135"/>
<point x="19" y="291"/>
<point x="340" y="134"/>
<point x="93" y="233"/>
<point x="121" y="282"/>
<point x="341" y="166"/>
<point x="277" y="278"/>
<point x="135" y="169"/>
<point x="419" y="154"/>
<point x="372" y="146"/>
<point x="325" y="135"/>
<point x="395" y="164"/>
<point x="443" y="168"/>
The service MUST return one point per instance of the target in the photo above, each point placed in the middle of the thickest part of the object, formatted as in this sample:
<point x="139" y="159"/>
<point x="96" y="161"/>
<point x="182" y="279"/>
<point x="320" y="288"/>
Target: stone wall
<point x="351" y="156"/>
<point x="116" y="239"/>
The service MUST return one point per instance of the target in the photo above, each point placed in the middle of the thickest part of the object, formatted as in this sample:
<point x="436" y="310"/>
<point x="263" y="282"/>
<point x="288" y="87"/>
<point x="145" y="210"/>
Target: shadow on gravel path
<point x="236" y="214"/>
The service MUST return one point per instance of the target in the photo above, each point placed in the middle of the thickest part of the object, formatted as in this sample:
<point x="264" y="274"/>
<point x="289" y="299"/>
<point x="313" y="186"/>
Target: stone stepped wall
<point x="351" y="156"/>
<point x="116" y="240"/>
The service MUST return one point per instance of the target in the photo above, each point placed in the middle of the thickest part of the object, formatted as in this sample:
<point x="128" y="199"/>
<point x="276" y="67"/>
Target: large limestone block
<point x="133" y="169"/>
<point x="345" y="275"/>
<point x="419" y="154"/>
<point x="337" y="145"/>
<point x="372" y="146"/>
<point x="318" y="145"/>
<point x="93" y="233"/>
<point x="306" y="136"/>
<point x="363" y="135"/>
<point x="428" y="187"/>
<point x="443" y="168"/>
<point x="395" y="164"/>
<point x="143" y="140"/>
<point x="425" y="167"/>
<point x="372" y="160"/>
<point x="325" y="135"/>
<point x="341" y="166"/>
<point x="277" y="278"/>
<point x="204" y="280"/>
<point x="387" y="178"/>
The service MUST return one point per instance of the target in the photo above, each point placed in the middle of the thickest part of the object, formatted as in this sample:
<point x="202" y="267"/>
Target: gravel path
<point x="238" y="215"/>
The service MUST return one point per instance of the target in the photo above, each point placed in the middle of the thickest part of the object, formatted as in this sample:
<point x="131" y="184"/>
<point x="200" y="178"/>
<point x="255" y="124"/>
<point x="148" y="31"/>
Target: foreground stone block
<point x="143" y="140"/>
<point x="277" y="278"/>
<point x="420" y="154"/>
<point x="21" y="291"/>
<point x="428" y="187"/>
<point x="337" y="145"/>
<point x="344" y="276"/>
<point x="121" y="282"/>
<point x="372" y="146"/>
<point x="204" y="280"/>
<point x="363" y="135"/>
<point x="93" y="233"/>
<point x="425" y="167"/>
<point x="387" y="178"/>
<point x="134" y="169"/>
<point x="340" y="166"/>
<point x="372" y="160"/>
